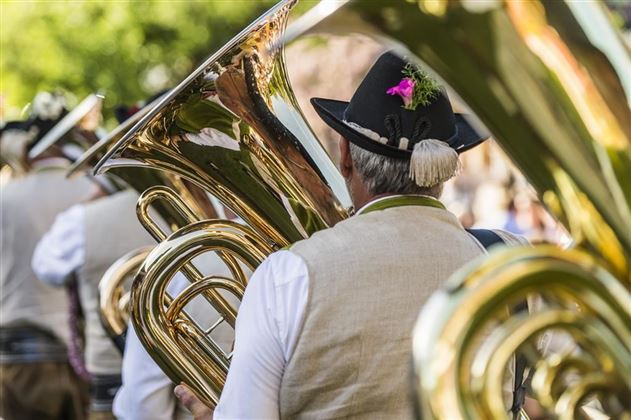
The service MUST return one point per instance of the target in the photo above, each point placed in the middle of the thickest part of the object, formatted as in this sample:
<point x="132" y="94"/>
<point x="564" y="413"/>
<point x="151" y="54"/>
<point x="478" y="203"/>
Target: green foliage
<point x="426" y="89"/>
<point x="126" y="49"/>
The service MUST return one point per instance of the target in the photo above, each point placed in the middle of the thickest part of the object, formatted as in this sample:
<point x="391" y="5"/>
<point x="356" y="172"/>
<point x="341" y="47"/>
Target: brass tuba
<point x="551" y="80"/>
<point x="234" y="129"/>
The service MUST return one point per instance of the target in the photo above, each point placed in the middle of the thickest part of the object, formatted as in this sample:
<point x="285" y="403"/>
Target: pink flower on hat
<point x="405" y="89"/>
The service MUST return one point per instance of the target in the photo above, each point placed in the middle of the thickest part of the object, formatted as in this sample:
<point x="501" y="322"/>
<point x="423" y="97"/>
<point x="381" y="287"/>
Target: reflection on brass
<point x="550" y="80"/>
<point x="114" y="299"/>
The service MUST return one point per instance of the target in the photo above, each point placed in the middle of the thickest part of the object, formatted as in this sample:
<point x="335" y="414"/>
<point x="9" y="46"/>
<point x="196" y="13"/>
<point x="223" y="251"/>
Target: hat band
<point x="373" y="135"/>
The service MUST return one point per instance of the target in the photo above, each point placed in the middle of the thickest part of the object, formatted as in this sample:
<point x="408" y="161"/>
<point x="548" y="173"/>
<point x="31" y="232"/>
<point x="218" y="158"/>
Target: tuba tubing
<point x="179" y="346"/>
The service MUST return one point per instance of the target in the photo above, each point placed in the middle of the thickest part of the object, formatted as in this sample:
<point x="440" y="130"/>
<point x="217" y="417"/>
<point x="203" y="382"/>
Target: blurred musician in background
<point x="324" y="329"/>
<point x="36" y="381"/>
<point x="82" y="244"/>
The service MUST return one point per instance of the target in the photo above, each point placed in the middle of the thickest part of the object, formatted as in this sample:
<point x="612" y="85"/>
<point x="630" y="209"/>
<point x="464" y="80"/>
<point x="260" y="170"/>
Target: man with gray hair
<point x="324" y="329"/>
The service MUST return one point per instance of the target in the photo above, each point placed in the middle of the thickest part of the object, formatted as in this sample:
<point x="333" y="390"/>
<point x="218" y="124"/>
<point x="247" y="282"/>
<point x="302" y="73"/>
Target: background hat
<point x="15" y="138"/>
<point x="58" y="124"/>
<point x="47" y="109"/>
<point x="398" y="111"/>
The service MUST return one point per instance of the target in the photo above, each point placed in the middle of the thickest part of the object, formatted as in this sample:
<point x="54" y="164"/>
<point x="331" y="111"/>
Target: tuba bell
<point x="232" y="128"/>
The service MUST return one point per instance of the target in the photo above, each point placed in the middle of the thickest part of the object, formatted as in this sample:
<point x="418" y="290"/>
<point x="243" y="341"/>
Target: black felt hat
<point x="376" y="120"/>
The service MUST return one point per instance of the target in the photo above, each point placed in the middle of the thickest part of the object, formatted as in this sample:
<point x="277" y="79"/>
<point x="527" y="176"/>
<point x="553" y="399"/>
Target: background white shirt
<point x="61" y="251"/>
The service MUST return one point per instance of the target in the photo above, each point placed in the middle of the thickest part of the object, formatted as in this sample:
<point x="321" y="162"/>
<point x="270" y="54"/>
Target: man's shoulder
<point x="342" y="240"/>
<point x="43" y="181"/>
<point x="17" y="191"/>
<point x="331" y="236"/>
<point x="279" y="268"/>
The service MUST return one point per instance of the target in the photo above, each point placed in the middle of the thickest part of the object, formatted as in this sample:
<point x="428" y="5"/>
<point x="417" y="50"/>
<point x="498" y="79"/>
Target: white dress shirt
<point x="62" y="249"/>
<point x="266" y="333"/>
<point x="146" y="392"/>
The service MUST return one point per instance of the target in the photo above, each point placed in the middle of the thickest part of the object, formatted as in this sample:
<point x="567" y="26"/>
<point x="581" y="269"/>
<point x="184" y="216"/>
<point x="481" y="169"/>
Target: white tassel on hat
<point x="433" y="162"/>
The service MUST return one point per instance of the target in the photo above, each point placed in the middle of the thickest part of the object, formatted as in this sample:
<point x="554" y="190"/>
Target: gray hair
<point x="387" y="175"/>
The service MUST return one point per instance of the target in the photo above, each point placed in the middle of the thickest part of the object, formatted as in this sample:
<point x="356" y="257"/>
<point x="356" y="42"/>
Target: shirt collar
<point x="390" y="201"/>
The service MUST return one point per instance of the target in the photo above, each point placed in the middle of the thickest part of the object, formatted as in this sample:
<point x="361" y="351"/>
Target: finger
<point x="192" y="403"/>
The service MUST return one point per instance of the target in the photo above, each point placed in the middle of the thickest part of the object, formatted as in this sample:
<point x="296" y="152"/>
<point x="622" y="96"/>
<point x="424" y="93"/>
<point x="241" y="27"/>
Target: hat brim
<point x="332" y="113"/>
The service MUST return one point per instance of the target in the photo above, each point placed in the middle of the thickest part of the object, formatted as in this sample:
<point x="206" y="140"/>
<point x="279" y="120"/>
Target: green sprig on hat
<point x="426" y="89"/>
<point x="417" y="88"/>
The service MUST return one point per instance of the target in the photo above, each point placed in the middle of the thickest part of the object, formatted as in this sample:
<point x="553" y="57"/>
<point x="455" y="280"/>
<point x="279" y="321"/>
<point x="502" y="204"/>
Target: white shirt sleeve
<point x="146" y="392"/>
<point x="61" y="250"/>
<point x="267" y="328"/>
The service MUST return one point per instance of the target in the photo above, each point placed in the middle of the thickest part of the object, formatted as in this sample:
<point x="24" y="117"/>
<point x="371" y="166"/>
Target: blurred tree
<point x="129" y="50"/>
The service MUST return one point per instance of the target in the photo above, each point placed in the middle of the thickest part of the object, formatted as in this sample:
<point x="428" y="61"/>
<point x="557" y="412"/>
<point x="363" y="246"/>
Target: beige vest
<point x="368" y="279"/>
<point x="28" y="207"/>
<point x="111" y="230"/>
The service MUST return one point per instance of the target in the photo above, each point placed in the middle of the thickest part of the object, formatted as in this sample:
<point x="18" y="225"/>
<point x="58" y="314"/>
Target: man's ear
<point x="346" y="163"/>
